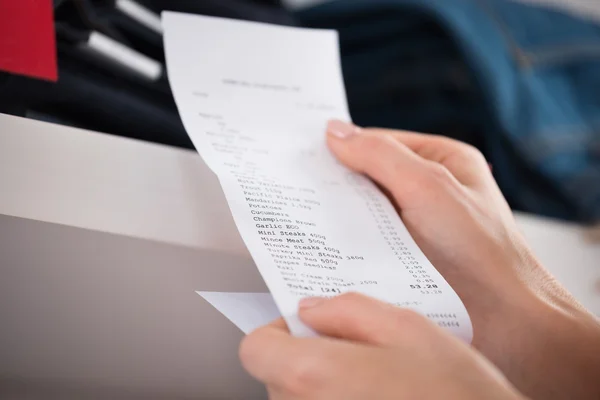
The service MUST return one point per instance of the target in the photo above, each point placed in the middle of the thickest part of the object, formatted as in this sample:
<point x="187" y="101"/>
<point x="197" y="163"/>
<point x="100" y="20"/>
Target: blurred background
<point x="520" y="80"/>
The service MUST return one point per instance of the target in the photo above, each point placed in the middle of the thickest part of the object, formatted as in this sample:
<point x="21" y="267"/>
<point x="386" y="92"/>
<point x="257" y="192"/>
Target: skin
<point x="369" y="350"/>
<point x="530" y="335"/>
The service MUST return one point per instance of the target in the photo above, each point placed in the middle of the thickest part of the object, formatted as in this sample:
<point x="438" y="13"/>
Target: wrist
<point x="538" y="280"/>
<point x="550" y="342"/>
<point x="564" y="354"/>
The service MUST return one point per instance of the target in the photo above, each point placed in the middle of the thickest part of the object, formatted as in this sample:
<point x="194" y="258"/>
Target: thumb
<point x="464" y="161"/>
<point x="359" y="318"/>
<point x="387" y="161"/>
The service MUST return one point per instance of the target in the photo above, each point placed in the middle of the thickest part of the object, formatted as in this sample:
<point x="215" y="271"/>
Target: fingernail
<point x="309" y="302"/>
<point x="341" y="129"/>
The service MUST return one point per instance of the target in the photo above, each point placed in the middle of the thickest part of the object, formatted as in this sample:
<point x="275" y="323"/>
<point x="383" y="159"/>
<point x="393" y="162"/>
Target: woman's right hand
<point x="524" y="321"/>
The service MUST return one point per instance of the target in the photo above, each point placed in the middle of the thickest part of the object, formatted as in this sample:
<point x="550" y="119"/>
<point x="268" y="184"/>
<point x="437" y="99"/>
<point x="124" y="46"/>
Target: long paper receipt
<point x="255" y="100"/>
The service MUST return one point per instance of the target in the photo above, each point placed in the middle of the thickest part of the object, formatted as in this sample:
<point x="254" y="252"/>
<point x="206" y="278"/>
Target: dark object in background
<point x="520" y="82"/>
<point x="270" y="11"/>
<point x="97" y="93"/>
<point x="402" y="70"/>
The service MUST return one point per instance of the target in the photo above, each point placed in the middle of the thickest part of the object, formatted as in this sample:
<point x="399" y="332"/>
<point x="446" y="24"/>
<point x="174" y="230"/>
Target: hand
<point x="524" y="321"/>
<point x="371" y="350"/>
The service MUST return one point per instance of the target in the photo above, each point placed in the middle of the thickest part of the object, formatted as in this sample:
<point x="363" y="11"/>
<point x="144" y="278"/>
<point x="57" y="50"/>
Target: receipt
<point x="247" y="311"/>
<point x="255" y="100"/>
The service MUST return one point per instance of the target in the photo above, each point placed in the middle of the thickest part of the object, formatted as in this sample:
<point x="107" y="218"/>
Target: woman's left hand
<point x="369" y="350"/>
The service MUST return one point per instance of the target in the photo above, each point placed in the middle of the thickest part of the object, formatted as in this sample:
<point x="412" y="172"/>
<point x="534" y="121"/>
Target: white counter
<point x="104" y="240"/>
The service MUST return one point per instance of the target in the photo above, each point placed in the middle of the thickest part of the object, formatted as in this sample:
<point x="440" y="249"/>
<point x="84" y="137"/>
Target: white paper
<point x="247" y="311"/>
<point x="255" y="100"/>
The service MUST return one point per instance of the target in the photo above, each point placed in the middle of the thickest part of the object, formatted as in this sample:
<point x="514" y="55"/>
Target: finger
<point x="387" y="161"/>
<point x="356" y="317"/>
<point x="274" y="357"/>
<point x="464" y="161"/>
<point x="297" y="367"/>
<point x="279" y="324"/>
<point x="274" y="334"/>
<point x="277" y="393"/>
<point x="263" y="350"/>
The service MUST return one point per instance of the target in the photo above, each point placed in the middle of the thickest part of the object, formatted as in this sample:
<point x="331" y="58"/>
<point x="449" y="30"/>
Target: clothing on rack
<point x="270" y="11"/>
<point x="520" y="82"/>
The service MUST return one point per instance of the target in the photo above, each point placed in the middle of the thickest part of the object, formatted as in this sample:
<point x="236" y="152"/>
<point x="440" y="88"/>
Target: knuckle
<point x="467" y="150"/>
<point x="439" y="173"/>
<point x="304" y="374"/>
<point x="472" y="152"/>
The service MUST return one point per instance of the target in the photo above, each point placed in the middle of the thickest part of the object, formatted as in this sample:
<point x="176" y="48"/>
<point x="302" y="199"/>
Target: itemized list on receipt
<point x="255" y="100"/>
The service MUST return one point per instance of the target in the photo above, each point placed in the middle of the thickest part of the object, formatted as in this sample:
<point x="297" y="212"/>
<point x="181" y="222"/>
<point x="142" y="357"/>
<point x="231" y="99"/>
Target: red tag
<point x="27" y="38"/>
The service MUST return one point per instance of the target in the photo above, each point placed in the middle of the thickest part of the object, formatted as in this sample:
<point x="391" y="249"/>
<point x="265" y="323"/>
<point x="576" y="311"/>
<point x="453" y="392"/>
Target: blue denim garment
<point x="526" y="78"/>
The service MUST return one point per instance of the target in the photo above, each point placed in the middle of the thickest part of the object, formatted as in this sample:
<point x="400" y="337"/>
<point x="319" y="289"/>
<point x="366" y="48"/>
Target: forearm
<point x="569" y="357"/>
<point x="540" y="337"/>
<point x="554" y="348"/>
